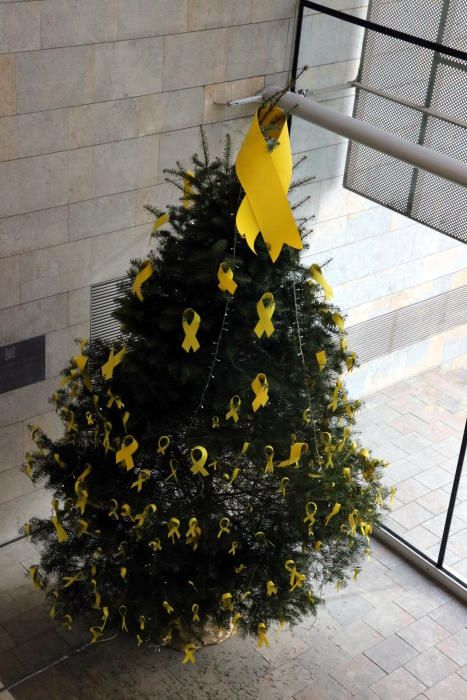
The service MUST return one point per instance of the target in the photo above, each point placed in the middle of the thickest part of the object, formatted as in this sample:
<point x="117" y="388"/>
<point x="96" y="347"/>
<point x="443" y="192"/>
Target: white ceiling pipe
<point x="356" y="130"/>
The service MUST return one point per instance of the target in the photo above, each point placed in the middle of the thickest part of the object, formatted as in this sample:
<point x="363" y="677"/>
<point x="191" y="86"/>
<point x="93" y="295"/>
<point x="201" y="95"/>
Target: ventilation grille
<point x="373" y="338"/>
<point x="401" y="71"/>
<point x="103" y="302"/>
<point x="411" y="324"/>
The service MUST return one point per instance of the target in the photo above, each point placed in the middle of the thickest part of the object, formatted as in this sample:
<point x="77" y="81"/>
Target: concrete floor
<point x="391" y="635"/>
<point x="417" y="425"/>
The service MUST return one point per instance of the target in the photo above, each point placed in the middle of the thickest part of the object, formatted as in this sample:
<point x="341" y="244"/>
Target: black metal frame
<point x="455" y="53"/>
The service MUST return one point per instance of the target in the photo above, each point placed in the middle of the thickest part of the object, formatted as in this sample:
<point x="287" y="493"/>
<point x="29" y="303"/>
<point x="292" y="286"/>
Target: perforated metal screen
<point x="402" y="88"/>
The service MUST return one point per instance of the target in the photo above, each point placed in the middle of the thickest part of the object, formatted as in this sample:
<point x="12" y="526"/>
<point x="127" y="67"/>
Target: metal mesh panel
<point x="103" y="303"/>
<point x="399" y="71"/>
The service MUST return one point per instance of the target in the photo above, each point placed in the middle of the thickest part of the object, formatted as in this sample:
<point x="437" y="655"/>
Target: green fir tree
<point x="179" y="501"/>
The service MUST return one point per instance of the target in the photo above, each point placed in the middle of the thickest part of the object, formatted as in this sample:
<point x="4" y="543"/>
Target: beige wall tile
<point x="248" y="49"/>
<point x="32" y="319"/>
<point x="26" y="232"/>
<point x="7" y="85"/>
<point x="11" y="446"/>
<point x="68" y="22"/>
<point x="20" y="26"/>
<point x="15" y="513"/>
<point x="79" y="310"/>
<point x="49" y="422"/>
<point x="168" y="111"/>
<point x="208" y="14"/>
<point x="233" y="90"/>
<point x="21" y="404"/>
<point x="140" y="18"/>
<point x="61" y="345"/>
<point x="102" y="215"/>
<point x="36" y="134"/>
<point x="9" y="281"/>
<point x="267" y="10"/>
<point x="55" y="270"/>
<point x="14" y="484"/>
<point x="195" y="58"/>
<point x="112" y="252"/>
<point x="103" y="122"/>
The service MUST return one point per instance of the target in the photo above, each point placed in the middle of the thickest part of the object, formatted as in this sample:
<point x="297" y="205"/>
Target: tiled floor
<point x="391" y="635"/>
<point x="417" y="425"/>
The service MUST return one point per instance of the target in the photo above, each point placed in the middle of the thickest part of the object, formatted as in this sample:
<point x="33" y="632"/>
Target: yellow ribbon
<point x="190" y="341"/>
<point x="235" y="403"/>
<point x="89" y="418"/>
<point x="310" y="510"/>
<point x="216" y="422"/>
<point x="339" y="321"/>
<point x="262" y="639"/>
<point x="347" y="473"/>
<point x="306" y="415"/>
<point x="97" y="596"/>
<point x="233" y="548"/>
<point x="317" y="275"/>
<point x="195" y="611"/>
<point x="27" y="529"/>
<point x="70" y="580"/>
<point x="189" y="650"/>
<point x="269" y="453"/>
<point x="245" y="447"/>
<point x="173" y="470"/>
<point x="187" y="188"/>
<point x="33" y="573"/>
<point x="114" y="399"/>
<point x="321" y="359"/>
<point x="67" y="621"/>
<point x="162" y="444"/>
<point x="343" y="344"/>
<point x="198" y="464"/>
<point x="281" y="488"/>
<point x="126" y="511"/>
<point x="166" y="605"/>
<point x="297" y="450"/>
<point x="123" y="610"/>
<point x="174" y="532"/>
<point x="226" y="280"/>
<point x="113" y="512"/>
<point x="81" y="497"/>
<point x="124" y="454"/>
<point x="231" y="478"/>
<point x="155" y="545"/>
<point x="265" y="176"/>
<point x="52" y="609"/>
<point x="98" y="631"/>
<point x="193" y="533"/>
<point x="70" y="425"/>
<point x="223" y="527"/>
<point x="123" y="572"/>
<point x="140" y="518"/>
<point x="235" y="620"/>
<point x="125" y="417"/>
<point x="226" y="601"/>
<point x="106" y="440"/>
<point x="143" y="476"/>
<point x="260" y="387"/>
<point x="239" y="569"/>
<point x="108" y="367"/>
<point x="62" y="536"/>
<point x="271" y="588"/>
<point x="145" y="272"/>
<point x="334" y="511"/>
<point x="265" y="308"/>
<point x="296" y="579"/>
<point x="59" y="461"/>
<point x="350" y="361"/>
<point x="335" y="396"/>
<point x="353" y="521"/>
<point x="159" y="222"/>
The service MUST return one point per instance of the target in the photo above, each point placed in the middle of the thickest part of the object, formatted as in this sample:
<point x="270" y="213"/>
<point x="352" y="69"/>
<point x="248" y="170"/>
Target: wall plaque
<point x="22" y="363"/>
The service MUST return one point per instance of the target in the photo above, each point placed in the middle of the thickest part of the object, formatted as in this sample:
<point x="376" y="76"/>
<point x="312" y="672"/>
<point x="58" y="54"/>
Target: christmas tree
<point x="208" y="475"/>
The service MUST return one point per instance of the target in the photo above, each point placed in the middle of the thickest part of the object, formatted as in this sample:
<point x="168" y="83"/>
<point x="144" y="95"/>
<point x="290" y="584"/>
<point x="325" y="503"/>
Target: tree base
<point x="202" y="637"/>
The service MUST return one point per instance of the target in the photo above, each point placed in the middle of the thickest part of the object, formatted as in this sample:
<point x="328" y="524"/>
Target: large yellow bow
<point x="265" y="175"/>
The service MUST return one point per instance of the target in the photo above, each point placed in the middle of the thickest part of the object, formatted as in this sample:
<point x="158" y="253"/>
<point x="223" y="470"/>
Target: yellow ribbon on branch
<point x="262" y="639"/>
<point x="321" y="359"/>
<point x="318" y="277"/>
<point x="191" y="327"/>
<point x="260" y="387"/>
<point x="265" y="308"/>
<point x="334" y="511"/>
<point x="187" y="188"/>
<point x="271" y="588"/>
<point x="143" y="476"/>
<point x="159" y="222"/>
<point x="193" y="533"/>
<point x="189" y="650"/>
<point x="198" y="464"/>
<point x="235" y="403"/>
<point x="174" y="532"/>
<point x="126" y="452"/>
<point x="297" y="450"/>
<point x="223" y="527"/>
<point x="296" y="579"/>
<point x="265" y="176"/>
<point x="163" y="444"/>
<point x="113" y="360"/>
<point x="226" y="280"/>
<point x="62" y="536"/>
<point x="269" y="453"/>
<point x="145" y="272"/>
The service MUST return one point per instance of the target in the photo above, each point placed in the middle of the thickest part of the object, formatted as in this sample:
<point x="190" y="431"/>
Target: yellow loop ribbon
<point x="265" y="308"/>
<point x="235" y="403"/>
<point x="350" y="361"/>
<point x="167" y="607"/>
<point x="297" y="450"/>
<point x="262" y="639"/>
<point x="318" y="277"/>
<point x="269" y="454"/>
<point x="306" y="415"/>
<point x="271" y="588"/>
<point x="226" y="280"/>
<point x="140" y="518"/>
<point x="239" y="569"/>
<point x="187" y="188"/>
<point x="106" y="439"/>
<point x="81" y="497"/>
<point x="123" y="572"/>
<point x="143" y="476"/>
<point x="339" y="321"/>
<point x="310" y="510"/>
<point x="216" y="422"/>
<point x="193" y="533"/>
<point x="281" y="488"/>
<point x="114" y="399"/>
<point x="265" y="175"/>
<point x="173" y="470"/>
<point x="347" y="473"/>
<point x="296" y="579"/>
<point x="33" y="573"/>
<point x="142" y="622"/>
<point x="195" y="611"/>
<point x="113" y="511"/>
<point x="189" y="650"/>
<point x="108" y="367"/>
<point x="198" y="464"/>
<point x="162" y="444"/>
<point x="321" y="359"/>
<point x="62" y="536"/>
<point x="353" y="521"/>
<point x="334" y="511"/>
<point x="226" y="601"/>
<point x="70" y="424"/>
<point x="125" y="418"/>
<point x="126" y="511"/>
<point x="173" y="527"/>
<point x="260" y="388"/>
<point x="59" y="461"/>
<point x="70" y="580"/>
<point x="223" y="527"/>
<point x="67" y="621"/>
<point x="145" y="272"/>
<point x="126" y="452"/>
<point x="159" y="222"/>
<point x="97" y="596"/>
<point x="123" y="610"/>
<point x="191" y="328"/>
<point x="89" y="418"/>
<point x="155" y="545"/>
<point x="231" y="477"/>
<point x="335" y="396"/>
<point x="233" y="548"/>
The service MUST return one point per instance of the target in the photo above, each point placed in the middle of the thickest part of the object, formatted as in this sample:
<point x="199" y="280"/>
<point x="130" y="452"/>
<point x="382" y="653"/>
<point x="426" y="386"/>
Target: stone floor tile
<point x="409" y="423"/>
<point x="463" y="672"/>
<point x="435" y="501"/>
<point x="455" y="646"/>
<point x="409" y="489"/>
<point x="421" y="600"/>
<point x="434" y="477"/>
<point x="348" y="608"/>
<point x="391" y="653"/>
<point x="402" y="468"/>
<point x="324" y="655"/>
<point x="323" y="687"/>
<point x="399" y="685"/>
<point x="431" y="666"/>
<point x="412" y="442"/>
<point x="42" y="650"/>
<point x="356" y="638"/>
<point x="283" y="646"/>
<point x="11" y="668"/>
<point x="290" y="678"/>
<point x="437" y="523"/>
<point x="422" y="538"/>
<point x="28" y="624"/>
<point x="384" y="590"/>
<point x="388" y="620"/>
<point x="423" y="634"/>
<point x="6" y="642"/>
<point x="366" y="694"/>
<point x="451" y="615"/>
<point x="451" y="688"/>
<point x="357" y="674"/>
<point x="411" y="515"/>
